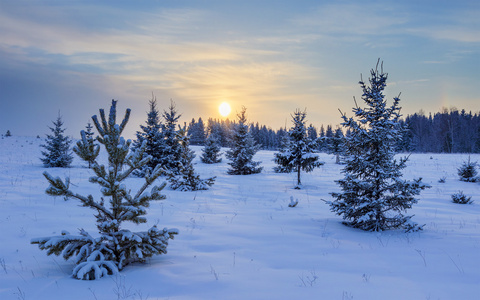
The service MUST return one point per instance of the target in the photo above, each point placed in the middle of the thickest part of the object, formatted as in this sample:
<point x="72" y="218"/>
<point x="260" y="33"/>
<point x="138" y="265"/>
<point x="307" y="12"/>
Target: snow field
<point x="240" y="240"/>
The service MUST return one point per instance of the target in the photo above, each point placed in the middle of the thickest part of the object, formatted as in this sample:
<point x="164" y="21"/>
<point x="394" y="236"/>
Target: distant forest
<point x="448" y="131"/>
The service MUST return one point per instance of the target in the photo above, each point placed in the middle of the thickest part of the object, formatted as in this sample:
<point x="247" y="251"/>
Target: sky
<point x="273" y="57"/>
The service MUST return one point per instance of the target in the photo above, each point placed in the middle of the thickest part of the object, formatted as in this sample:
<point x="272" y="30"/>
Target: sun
<point x="224" y="109"/>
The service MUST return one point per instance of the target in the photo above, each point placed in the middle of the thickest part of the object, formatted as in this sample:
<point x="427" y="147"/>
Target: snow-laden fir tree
<point x="299" y="152"/>
<point x="326" y="138"/>
<point x="468" y="171"/>
<point x="116" y="246"/>
<point x="151" y="134"/>
<point x="374" y="196"/>
<point x="312" y="133"/>
<point x="57" y="152"/>
<point x="196" y="131"/>
<point x="86" y="148"/>
<point x="221" y="130"/>
<point x="283" y="152"/>
<point x="335" y="144"/>
<point x="211" y="152"/>
<point x="242" y="150"/>
<point x="187" y="179"/>
<point x="170" y="152"/>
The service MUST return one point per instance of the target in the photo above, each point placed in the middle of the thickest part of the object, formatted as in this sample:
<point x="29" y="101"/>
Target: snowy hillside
<point x="240" y="240"/>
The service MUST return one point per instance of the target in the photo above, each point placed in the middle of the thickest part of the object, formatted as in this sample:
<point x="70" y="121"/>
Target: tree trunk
<point x="298" y="176"/>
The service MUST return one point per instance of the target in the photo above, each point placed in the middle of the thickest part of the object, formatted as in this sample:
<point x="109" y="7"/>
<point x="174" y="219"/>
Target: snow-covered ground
<point x="240" y="240"/>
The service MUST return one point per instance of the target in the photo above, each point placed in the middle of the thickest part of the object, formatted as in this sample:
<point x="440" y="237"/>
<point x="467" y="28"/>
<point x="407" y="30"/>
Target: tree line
<point x="447" y="131"/>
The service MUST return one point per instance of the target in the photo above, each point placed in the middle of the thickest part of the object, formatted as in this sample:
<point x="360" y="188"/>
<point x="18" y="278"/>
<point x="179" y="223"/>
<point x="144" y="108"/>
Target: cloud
<point x="458" y="23"/>
<point x="451" y="33"/>
<point x="352" y="19"/>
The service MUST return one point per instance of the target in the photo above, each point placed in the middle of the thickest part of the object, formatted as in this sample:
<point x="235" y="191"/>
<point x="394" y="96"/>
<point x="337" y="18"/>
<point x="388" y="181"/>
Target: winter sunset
<point x="239" y="150"/>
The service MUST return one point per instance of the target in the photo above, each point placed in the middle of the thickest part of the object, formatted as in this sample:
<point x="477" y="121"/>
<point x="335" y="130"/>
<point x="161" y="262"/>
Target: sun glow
<point x="224" y="109"/>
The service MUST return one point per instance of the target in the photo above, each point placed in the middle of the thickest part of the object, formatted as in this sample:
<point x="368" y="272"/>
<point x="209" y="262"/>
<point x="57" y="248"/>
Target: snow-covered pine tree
<point x="170" y="151"/>
<point x="282" y="154"/>
<point x="374" y="196"/>
<point x="196" y="131"/>
<point x="115" y="247"/>
<point x="152" y="135"/>
<point x="335" y="144"/>
<point x="211" y="151"/>
<point x="322" y="140"/>
<point x="468" y="171"/>
<point x="57" y="152"/>
<point x="242" y="150"/>
<point x="300" y="152"/>
<point x="86" y="148"/>
<point x="312" y="132"/>
<point x="477" y="142"/>
<point x="187" y="180"/>
<point x="220" y="130"/>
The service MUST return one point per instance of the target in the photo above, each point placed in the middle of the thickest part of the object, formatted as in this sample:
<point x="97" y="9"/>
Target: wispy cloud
<point x="462" y="34"/>
<point x="353" y="19"/>
<point x="458" y="23"/>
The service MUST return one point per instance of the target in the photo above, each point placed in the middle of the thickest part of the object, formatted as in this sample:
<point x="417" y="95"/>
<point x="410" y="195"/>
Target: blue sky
<point x="73" y="57"/>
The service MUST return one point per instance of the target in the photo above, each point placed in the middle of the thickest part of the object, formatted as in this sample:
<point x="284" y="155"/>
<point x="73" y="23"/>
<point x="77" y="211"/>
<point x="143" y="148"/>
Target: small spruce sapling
<point x="335" y="145"/>
<point x="468" y="171"/>
<point x="211" y="152"/>
<point x="281" y="157"/>
<point x="170" y="146"/>
<point x="150" y="132"/>
<point x="187" y="179"/>
<point x="57" y="152"/>
<point x="243" y="149"/>
<point x="299" y="153"/>
<point x="86" y="148"/>
<point x="461" y="198"/>
<point x="116" y="247"/>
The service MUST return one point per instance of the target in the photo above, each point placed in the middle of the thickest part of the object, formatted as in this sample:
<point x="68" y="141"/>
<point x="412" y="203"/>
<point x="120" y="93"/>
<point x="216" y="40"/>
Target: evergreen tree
<point x="312" y="133"/>
<point x="196" y="131"/>
<point x="152" y="135"/>
<point x="8" y="133"/>
<point x="468" y="171"/>
<point x="335" y="144"/>
<point x="406" y="143"/>
<point x="477" y="142"/>
<point x="200" y="132"/>
<point x="116" y="247"/>
<point x="187" y="180"/>
<point x="373" y="195"/>
<point x="243" y="149"/>
<point x="211" y="152"/>
<point x="284" y="157"/>
<point x="86" y="148"/>
<point x="299" y="153"/>
<point x="326" y="139"/>
<point x="281" y="138"/>
<point x="322" y="141"/>
<point x="170" y="151"/>
<point x="57" y="152"/>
